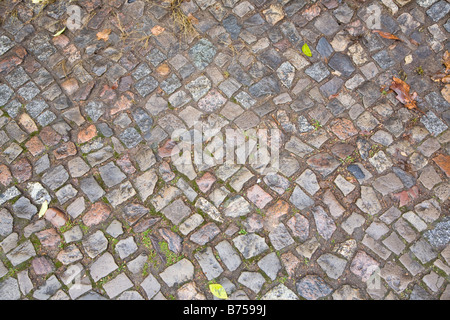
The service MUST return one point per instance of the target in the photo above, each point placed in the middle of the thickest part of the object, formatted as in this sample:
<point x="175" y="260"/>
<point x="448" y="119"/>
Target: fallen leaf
<point x="157" y="30"/>
<point x="333" y="96"/>
<point x="414" y="42"/>
<point x="336" y="73"/>
<point x="408" y="59"/>
<point x="401" y="157"/>
<point x="103" y="35"/>
<point x="44" y="209"/>
<point x="386" y="35"/>
<point x="441" y="77"/>
<point x="447" y="61"/>
<point x="351" y="179"/>
<point x="401" y="88"/>
<point x="218" y="291"/>
<point x="60" y="32"/>
<point x="443" y="161"/>
<point x="306" y="50"/>
<point x="446" y="92"/>
<point x="192" y="19"/>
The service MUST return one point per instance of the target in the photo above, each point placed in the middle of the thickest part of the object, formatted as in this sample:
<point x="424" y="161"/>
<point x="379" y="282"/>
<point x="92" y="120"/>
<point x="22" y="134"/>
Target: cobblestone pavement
<point x="358" y="209"/>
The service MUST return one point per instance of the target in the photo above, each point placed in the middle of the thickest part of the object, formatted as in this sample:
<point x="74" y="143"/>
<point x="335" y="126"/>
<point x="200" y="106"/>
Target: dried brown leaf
<point x="401" y="88"/>
<point x="414" y="42"/>
<point x="157" y="30"/>
<point x="333" y="96"/>
<point x="446" y="92"/>
<point x="441" y="77"/>
<point x="386" y="35"/>
<point x="447" y="61"/>
<point x="192" y="19"/>
<point x="103" y="35"/>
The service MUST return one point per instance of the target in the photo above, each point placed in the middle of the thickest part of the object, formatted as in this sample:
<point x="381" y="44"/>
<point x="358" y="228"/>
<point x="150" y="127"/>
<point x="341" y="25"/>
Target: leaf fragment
<point x="60" y="32"/>
<point x="447" y="61"/>
<point x="446" y="92"/>
<point x="441" y="77"/>
<point x="218" y="291"/>
<point x="104" y="35"/>
<point x="414" y="42"/>
<point x="408" y="59"/>
<point x="401" y="88"/>
<point x="157" y="30"/>
<point x="386" y="35"/>
<point x="306" y="50"/>
<point x="192" y="19"/>
<point x="44" y="209"/>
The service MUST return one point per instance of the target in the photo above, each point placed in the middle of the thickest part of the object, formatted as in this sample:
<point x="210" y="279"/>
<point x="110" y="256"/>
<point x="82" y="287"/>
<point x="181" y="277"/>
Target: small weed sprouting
<point x="62" y="244"/>
<point x="259" y="211"/>
<point x="69" y="225"/>
<point x="282" y="280"/>
<point x="419" y="70"/>
<point x="347" y="160"/>
<point x="152" y="258"/>
<point x="84" y="228"/>
<point x="145" y="268"/>
<point x="145" y="239"/>
<point x="113" y="241"/>
<point x="171" y="257"/>
<point x="243" y="231"/>
<point x="316" y="124"/>
<point x="374" y="149"/>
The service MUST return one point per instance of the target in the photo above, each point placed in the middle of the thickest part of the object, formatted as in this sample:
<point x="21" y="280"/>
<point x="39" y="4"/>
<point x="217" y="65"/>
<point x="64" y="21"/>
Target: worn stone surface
<point x="313" y="287"/>
<point x="332" y="265"/>
<point x="439" y="236"/>
<point x="363" y="265"/>
<point x="21" y="253"/>
<point x="228" y="255"/>
<point x="280" y="292"/>
<point x="209" y="264"/>
<point x="179" y="273"/>
<point x="205" y="234"/>
<point x="250" y="245"/>
<point x="95" y="244"/>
